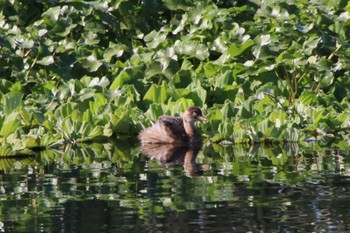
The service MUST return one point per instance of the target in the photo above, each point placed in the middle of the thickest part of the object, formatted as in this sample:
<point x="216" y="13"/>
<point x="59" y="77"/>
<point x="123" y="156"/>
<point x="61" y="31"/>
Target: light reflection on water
<point x="115" y="188"/>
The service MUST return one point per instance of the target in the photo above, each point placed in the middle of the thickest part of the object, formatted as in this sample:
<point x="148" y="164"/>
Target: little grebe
<point x="174" y="130"/>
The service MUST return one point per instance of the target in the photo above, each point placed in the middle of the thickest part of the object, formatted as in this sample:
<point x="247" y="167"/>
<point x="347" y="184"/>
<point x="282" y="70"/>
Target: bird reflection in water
<point x="168" y="154"/>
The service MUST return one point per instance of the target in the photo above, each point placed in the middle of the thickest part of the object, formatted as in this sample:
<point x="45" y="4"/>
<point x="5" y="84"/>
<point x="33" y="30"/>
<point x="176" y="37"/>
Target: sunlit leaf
<point x="155" y="38"/>
<point x="308" y="97"/>
<point x="193" y="49"/>
<point x="225" y="79"/>
<point x="98" y="104"/>
<point x="154" y="69"/>
<point x="317" y="115"/>
<point x="292" y="135"/>
<point x="5" y="150"/>
<point x="116" y="50"/>
<point x="327" y="79"/>
<point x="304" y="29"/>
<point x="103" y="82"/>
<point x="156" y="94"/>
<point x="53" y="13"/>
<point x="12" y="101"/>
<point x="154" y="111"/>
<point x="9" y="127"/>
<point x="278" y="118"/>
<point x="120" y="122"/>
<point x="65" y="110"/>
<point x="46" y="61"/>
<point x="237" y="49"/>
<point x="126" y="76"/>
<point x="92" y="63"/>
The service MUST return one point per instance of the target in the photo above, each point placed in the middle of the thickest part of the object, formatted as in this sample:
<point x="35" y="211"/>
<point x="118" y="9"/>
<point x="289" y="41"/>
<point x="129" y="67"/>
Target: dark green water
<point x="116" y="188"/>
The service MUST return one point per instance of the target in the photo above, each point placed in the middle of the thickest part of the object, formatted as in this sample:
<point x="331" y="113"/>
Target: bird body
<point x="174" y="130"/>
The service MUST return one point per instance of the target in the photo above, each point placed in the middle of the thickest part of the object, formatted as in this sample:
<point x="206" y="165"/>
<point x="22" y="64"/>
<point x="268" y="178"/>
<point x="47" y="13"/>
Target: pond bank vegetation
<point x="263" y="72"/>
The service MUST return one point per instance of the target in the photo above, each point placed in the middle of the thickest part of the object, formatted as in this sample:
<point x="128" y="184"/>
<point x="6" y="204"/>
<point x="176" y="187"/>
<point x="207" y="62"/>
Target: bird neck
<point x="190" y="128"/>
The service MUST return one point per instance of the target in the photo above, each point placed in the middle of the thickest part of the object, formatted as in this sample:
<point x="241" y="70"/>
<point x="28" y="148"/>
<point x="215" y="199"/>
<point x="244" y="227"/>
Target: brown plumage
<point x="174" y="130"/>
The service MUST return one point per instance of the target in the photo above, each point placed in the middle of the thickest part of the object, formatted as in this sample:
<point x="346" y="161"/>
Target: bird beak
<point x="202" y="118"/>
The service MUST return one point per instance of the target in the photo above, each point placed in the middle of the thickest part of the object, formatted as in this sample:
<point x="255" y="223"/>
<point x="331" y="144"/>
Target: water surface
<point x="119" y="187"/>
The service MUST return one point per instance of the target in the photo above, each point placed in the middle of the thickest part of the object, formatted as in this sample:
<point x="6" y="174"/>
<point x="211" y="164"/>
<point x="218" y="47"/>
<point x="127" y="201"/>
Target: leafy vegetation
<point x="77" y="71"/>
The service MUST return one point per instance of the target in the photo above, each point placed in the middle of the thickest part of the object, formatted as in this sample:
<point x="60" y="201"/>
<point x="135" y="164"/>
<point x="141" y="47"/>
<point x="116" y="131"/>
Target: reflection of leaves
<point x="91" y="155"/>
<point x="100" y="172"/>
<point x="12" y="163"/>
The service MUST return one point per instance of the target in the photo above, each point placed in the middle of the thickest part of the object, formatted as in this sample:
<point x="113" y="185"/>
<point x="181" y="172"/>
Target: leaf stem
<point x="32" y="65"/>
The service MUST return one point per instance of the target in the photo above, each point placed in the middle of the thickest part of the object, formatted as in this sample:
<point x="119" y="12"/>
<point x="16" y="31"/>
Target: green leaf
<point x="10" y="127"/>
<point x="192" y="49"/>
<point x="278" y="118"/>
<point x="225" y="79"/>
<point x="65" y="110"/>
<point x="327" y="79"/>
<point x="237" y="49"/>
<point x="99" y="103"/>
<point x="121" y="122"/>
<point x="306" y="28"/>
<point x="285" y="56"/>
<point x="25" y="43"/>
<point x="154" y="111"/>
<point x="176" y="4"/>
<point x="114" y="50"/>
<point x="46" y="61"/>
<point x="228" y="110"/>
<point x="153" y="69"/>
<point x="180" y="105"/>
<point x="155" y="38"/>
<point x="156" y="94"/>
<point x="13" y="101"/>
<point x="5" y="150"/>
<point x="128" y="75"/>
<point x="92" y="62"/>
<point x="52" y="13"/>
<point x="97" y="131"/>
<point x="310" y="44"/>
<point x="307" y="97"/>
<point x="317" y="116"/>
<point x="101" y="82"/>
<point x="291" y="135"/>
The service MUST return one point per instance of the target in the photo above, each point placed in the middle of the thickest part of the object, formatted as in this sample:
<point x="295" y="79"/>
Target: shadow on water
<point x="120" y="187"/>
